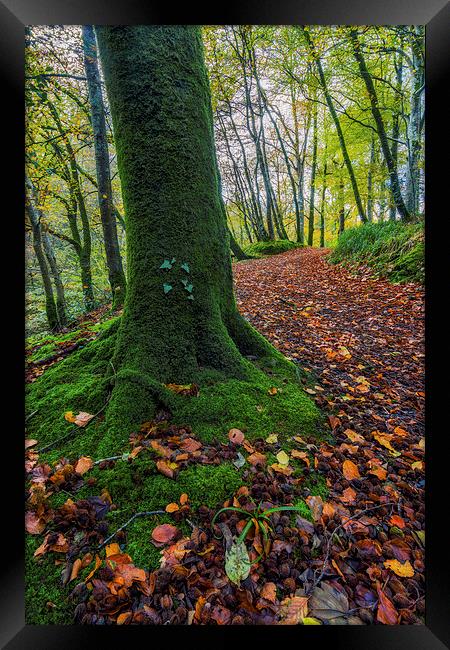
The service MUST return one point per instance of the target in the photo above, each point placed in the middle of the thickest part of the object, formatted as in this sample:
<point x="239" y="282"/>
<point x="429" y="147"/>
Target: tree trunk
<point x="370" y="181"/>
<point x="312" y="190"/>
<point x="181" y="321"/>
<point x="59" y="287"/>
<point x="337" y="124"/>
<point x="322" y="202"/>
<point x="34" y="216"/>
<point x="365" y="74"/>
<point x="105" y="200"/>
<point x="414" y="129"/>
<point x="398" y="63"/>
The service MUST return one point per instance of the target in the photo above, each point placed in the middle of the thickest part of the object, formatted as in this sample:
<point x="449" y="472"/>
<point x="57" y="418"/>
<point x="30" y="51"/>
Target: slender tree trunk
<point x="105" y="199"/>
<point x="365" y="74"/>
<point x="414" y="130"/>
<point x="34" y="216"/>
<point x="334" y="115"/>
<point x="398" y="63"/>
<point x="312" y="191"/>
<point x="322" y="202"/>
<point x="370" y="181"/>
<point x="181" y="319"/>
<point x="59" y="287"/>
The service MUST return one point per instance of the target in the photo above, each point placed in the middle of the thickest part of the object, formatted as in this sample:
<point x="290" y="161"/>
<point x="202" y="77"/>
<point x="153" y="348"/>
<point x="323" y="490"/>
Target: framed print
<point x="231" y="250"/>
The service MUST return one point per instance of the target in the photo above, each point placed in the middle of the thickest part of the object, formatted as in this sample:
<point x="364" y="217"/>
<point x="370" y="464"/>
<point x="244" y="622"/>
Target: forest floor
<point x="356" y="555"/>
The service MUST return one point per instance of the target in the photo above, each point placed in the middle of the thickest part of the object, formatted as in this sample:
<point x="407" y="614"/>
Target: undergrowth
<point x="393" y="249"/>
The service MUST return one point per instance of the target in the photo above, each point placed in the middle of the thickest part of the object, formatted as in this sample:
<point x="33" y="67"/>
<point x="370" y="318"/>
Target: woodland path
<point x="362" y="341"/>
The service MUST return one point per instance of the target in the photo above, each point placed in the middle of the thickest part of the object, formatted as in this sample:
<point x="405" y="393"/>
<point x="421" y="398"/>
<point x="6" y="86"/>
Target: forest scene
<point x="224" y="354"/>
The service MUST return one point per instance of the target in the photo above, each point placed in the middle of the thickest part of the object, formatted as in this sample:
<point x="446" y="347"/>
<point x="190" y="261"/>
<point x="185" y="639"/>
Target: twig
<point x="72" y="431"/>
<point x="31" y="415"/>
<point x="137" y="514"/>
<point x="104" y="460"/>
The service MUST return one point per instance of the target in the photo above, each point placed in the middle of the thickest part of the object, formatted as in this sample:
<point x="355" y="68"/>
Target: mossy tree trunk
<point x="116" y="274"/>
<point x="181" y="320"/>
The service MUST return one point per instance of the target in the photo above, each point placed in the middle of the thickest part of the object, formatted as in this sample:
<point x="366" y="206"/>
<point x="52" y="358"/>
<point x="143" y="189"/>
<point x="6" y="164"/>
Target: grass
<point x="263" y="248"/>
<point x="393" y="249"/>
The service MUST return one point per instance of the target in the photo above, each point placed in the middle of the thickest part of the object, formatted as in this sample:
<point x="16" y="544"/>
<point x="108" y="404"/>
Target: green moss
<point x="262" y="248"/>
<point x="42" y="586"/>
<point x="317" y="485"/>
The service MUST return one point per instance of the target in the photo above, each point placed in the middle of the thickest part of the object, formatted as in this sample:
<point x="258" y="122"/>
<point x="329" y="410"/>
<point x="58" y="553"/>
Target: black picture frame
<point x="435" y="14"/>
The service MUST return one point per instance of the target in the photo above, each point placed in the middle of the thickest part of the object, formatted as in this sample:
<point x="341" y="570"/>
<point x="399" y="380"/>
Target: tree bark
<point x="59" y="287"/>
<point x="105" y="199"/>
<point x="365" y="74"/>
<point x="177" y="322"/>
<point x="370" y="181"/>
<point x="35" y="217"/>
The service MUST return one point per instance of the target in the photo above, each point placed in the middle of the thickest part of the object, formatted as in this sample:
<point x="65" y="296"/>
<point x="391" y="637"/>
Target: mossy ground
<point x="80" y="382"/>
<point x="263" y="248"/>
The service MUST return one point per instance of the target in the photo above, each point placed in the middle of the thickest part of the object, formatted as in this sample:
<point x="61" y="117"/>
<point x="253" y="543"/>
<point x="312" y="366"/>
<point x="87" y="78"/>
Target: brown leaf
<point x="76" y="567"/>
<point x="293" y="610"/>
<point x="82" y="419"/>
<point x="165" y="468"/>
<point x="236" y="436"/>
<point x="269" y="591"/>
<point x="30" y="443"/>
<point x="33" y="523"/>
<point x="164" y="533"/>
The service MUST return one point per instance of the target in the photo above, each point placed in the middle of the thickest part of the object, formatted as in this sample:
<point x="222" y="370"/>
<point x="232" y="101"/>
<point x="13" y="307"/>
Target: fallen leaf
<point x="302" y="455"/>
<point x="282" y="469"/>
<point x="353" y="436"/>
<point x="164" y="533"/>
<point x="69" y="416"/>
<point x="82" y="419"/>
<point x="172" y="507"/>
<point x="256" y="458"/>
<point x="404" y="570"/>
<point x="33" y="523"/>
<point x="272" y="439"/>
<point x="350" y="470"/>
<point x="386" y="612"/>
<point x="282" y="458"/>
<point x="272" y="390"/>
<point x="293" y="610"/>
<point x="30" y="443"/>
<point x="83" y="465"/>
<point x="269" y="591"/>
<point x="236" y="436"/>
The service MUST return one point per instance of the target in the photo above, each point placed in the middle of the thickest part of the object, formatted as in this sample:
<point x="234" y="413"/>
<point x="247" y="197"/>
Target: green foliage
<point x="262" y="248"/>
<point x="393" y="249"/>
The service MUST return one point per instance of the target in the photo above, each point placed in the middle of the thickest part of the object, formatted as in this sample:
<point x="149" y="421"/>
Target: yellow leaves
<point x="272" y="439"/>
<point x="404" y="570"/>
<point x="417" y="465"/>
<point x="184" y="389"/>
<point x="310" y="620"/>
<point x="283" y="458"/>
<point x="385" y="440"/>
<point x="282" y="469"/>
<point x="350" y="470"/>
<point x="353" y="436"/>
<point x="112" y="549"/>
<point x="69" y="416"/>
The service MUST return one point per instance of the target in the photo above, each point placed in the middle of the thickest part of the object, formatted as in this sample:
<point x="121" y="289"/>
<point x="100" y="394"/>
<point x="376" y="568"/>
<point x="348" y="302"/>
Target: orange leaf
<point x="400" y="432"/>
<point x="184" y="498"/>
<point x="353" y="436"/>
<point x="164" y="468"/>
<point x="282" y="469"/>
<point x="350" y="470"/>
<point x="256" y="459"/>
<point x="124" y="618"/>
<point x="98" y="563"/>
<point x="83" y="465"/>
<point x="379" y="472"/>
<point x="293" y="610"/>
<point x="395" y="520"/>
<point x="348" y="496"/>
<point x="269" y="591"/>
<point x="172" y="507"/>
<point x="77" y="565"/>
<point x="69" y="416"/>
<point x="272" y="390"/>
<point x="300" y="454"/>
<point x="112" y="549"/>
<point x="386" y="612"/>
